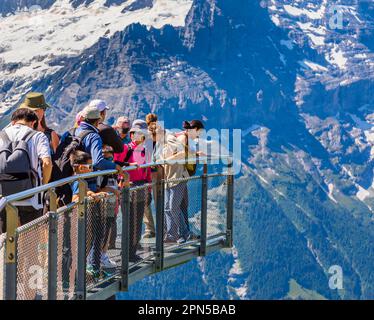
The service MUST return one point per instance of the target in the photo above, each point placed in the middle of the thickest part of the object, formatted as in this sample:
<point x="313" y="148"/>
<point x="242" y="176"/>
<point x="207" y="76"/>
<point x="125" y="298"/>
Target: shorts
<point x="25" y="214"/>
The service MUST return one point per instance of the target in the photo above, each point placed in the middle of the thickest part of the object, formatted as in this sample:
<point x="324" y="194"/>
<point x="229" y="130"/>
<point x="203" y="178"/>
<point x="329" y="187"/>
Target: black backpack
<point x="61" y="163"/>
<point x="16" y="171"/>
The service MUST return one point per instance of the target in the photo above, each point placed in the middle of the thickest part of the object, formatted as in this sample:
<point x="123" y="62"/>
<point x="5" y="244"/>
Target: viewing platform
<point x="47" y="259"/>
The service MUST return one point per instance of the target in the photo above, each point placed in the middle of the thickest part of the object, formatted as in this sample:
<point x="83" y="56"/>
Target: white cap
<point x="99" y="104"/>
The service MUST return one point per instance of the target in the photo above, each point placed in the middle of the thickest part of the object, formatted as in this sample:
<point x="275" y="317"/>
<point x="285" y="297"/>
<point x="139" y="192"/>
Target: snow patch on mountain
<point x="339" y="51"/>
<point x="31" y="40"/>
<point x="237" y="287"/>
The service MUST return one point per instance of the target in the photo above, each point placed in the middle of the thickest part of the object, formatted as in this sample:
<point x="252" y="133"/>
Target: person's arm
<point x="75" y="198"/>
<point x="176" y="149"/>
<point x="44" y="154"/>
<point x="46" y="169"/>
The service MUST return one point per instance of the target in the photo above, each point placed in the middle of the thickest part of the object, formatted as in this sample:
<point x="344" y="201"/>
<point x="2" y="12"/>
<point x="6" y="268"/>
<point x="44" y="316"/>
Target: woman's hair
<point x="151" y="117"/>
<point x="194" y="124"/>
<point x="79" y="157"/>
<point x="43" y="123"/>
<point x="24" y="114"/>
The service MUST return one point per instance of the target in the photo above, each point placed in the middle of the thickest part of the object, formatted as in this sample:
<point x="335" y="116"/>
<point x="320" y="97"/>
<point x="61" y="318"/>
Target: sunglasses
<point x="87" y="166"/>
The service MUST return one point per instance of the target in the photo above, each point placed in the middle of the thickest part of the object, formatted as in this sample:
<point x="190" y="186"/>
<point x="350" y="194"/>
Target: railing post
<point x="81" y="261"/>
<point x="230" y="206"/>
<point x="125" y="237"/>
<point x="52" y="246"/>
<point x="160" y="212"/>
<point x="11" y="253"/>
<point x="204" y="211"/>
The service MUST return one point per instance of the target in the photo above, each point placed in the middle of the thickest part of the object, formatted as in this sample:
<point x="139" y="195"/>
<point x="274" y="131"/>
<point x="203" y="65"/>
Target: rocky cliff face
<point x="299" y="89"/>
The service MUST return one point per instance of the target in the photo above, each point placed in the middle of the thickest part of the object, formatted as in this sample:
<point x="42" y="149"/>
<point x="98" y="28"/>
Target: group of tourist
<point x="32" y="154"/>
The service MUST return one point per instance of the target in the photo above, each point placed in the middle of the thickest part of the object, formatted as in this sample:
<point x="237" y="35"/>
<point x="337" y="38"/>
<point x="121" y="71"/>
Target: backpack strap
<point x="4" y="136"/>
<point x="28" y="136"/>
<point x="48" y="133"/>
<point x="84" y="134"/>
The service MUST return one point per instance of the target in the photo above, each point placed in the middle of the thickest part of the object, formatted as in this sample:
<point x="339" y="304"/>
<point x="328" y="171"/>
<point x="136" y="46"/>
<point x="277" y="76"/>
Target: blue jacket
<point x="93" y="145"/>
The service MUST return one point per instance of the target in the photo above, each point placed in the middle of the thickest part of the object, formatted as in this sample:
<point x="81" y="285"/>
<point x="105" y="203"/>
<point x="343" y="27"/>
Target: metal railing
<point x="61" y="255"/>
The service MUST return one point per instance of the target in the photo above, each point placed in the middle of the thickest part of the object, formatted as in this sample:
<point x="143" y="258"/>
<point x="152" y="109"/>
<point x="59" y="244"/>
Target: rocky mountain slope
<point x="299" y="88"/>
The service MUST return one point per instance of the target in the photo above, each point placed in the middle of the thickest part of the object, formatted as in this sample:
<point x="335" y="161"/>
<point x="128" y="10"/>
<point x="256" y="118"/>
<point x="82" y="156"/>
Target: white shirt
<point x="39" y="148"/>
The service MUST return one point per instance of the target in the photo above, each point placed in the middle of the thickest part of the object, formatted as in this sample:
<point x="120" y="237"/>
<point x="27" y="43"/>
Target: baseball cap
<point x="91" y="113"/>
<point x="99" y="104"/>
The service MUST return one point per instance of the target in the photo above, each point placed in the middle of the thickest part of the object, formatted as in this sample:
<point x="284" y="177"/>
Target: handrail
<point x="77" y="231"/>
<point x="28" y="193"/>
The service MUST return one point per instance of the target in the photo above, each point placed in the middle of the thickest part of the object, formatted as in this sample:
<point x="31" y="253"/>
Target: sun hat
<point x="34" y="101"/>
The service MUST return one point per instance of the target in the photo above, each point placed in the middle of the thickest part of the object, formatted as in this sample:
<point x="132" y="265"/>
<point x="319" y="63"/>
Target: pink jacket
<point x="138" y="156"/>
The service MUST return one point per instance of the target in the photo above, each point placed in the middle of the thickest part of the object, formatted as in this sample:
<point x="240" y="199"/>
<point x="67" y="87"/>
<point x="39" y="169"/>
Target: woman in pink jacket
<point x="134" y="154"/>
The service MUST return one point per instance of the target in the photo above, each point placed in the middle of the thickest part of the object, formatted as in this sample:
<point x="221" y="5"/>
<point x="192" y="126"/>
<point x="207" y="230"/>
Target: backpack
<point x="61" y="163"/>
<point x="190" y="167"/>
<point x="16" y="171"/>
<point x="65" y="141"/>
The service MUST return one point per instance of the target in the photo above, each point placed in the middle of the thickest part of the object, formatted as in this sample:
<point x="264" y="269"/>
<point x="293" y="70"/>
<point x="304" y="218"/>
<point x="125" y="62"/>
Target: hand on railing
<point x="97" y="196"/>
<point x="119" y="169"/>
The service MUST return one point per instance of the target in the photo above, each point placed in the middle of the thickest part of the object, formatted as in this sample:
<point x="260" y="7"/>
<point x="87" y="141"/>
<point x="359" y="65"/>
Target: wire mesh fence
<point x="182" y="207"/>
<point x="32" y="260"/>
<point x="100" y="219"/>
<point x="2" y="265"/>
<point x="142" y="222"/>
<point x="183" y="203"/>
<point x="67" y="251"/>
<point x="217" y="205"/>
